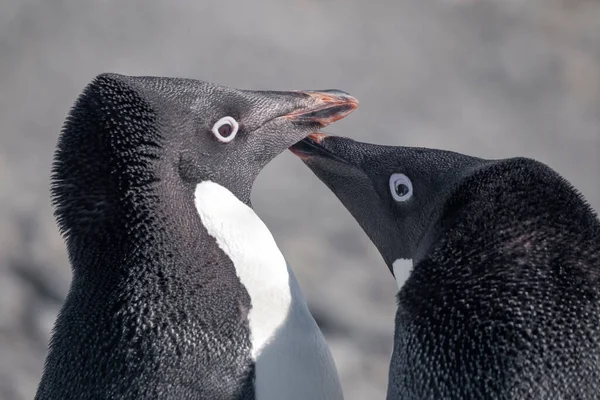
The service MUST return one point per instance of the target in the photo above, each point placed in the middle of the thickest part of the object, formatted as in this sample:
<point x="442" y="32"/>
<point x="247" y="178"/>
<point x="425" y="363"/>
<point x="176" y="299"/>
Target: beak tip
<point x="335" y="96"/>
<point x="305" y="148"/>
<point x="317" y="137"/>
<point x="327" y="107"/>
<point x="298" y="153"/>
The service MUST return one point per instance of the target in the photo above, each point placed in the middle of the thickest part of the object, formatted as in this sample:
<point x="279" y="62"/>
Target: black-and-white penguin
<point x="179" y="290"/>
<point x="503" y="300"/>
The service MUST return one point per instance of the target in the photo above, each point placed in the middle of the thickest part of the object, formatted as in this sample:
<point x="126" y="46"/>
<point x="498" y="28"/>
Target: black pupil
<point x="225" y="129"/>
<point x="402" y="190"/>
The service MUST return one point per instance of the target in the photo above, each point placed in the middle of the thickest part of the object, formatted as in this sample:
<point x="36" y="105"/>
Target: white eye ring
<point x="397" y="181"/>
<point x="225" y="121"/>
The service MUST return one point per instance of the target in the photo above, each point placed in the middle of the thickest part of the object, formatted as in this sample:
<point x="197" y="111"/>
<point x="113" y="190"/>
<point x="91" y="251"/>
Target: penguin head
<point x="394" y="193"/>
<point x="127" y="137"/>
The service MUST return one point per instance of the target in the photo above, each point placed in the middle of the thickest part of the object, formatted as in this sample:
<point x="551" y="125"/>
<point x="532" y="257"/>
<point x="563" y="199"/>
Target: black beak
<point x="314" y="145"/>
<point x="309" y="146"/>
<point x="325" y="107"/>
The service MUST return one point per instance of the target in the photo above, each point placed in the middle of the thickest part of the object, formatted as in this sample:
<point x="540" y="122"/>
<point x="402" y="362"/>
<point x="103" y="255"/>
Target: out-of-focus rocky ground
<point x="491" y="78"/>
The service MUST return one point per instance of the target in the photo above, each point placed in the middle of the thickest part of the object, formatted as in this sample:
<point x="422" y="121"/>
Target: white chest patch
<point x="292" y="359"/>
<point x="402" y="268"/>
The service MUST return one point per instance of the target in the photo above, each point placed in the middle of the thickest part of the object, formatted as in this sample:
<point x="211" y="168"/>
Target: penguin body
<point x="165" y="301"/>
<point x="503" y="300"/>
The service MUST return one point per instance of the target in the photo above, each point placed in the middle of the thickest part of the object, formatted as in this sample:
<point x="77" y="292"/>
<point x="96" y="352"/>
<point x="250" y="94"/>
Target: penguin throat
<point x="291" y="356"/>
<point x="402" y="268"/>
<point x="259" y="264"/>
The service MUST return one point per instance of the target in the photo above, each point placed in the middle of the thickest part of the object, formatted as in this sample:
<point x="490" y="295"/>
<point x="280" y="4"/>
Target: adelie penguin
<point x="503" y="300"/>
<point x="179" y="290"/>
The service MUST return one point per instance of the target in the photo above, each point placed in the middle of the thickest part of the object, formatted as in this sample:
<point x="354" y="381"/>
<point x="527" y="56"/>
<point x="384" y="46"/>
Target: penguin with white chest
<point x="179" y="290"/>
<point x="503" y="300"/>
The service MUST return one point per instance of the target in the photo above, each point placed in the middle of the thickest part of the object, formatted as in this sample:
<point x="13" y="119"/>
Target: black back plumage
<point x="506" y="302"/>
<point x="155" y="309"/>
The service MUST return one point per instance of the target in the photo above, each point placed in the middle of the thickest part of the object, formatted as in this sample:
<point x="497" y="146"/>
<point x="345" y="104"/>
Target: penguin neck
<point x="147" y="229"/>
<point x="292" y="358"/>
<point x="259" y="265"/>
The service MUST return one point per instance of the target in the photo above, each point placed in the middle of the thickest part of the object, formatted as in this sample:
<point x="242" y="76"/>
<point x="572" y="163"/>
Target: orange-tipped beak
<point x="328" y="106"/>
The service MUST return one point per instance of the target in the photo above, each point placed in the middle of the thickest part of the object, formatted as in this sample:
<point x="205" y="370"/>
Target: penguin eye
<point x="225" y="129"/>
<point x="400" y="187"/>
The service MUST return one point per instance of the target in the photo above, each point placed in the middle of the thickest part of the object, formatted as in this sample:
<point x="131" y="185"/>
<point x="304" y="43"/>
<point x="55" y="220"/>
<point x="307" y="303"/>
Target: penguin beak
<point x="313" y="146"/>
<point x="325" y="107"/>
<point x="309" y="146"/>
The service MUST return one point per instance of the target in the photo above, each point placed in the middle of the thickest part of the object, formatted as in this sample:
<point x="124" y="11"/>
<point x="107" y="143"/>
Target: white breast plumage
<point x="402" y="267"/>
<point x="292" y="358"/>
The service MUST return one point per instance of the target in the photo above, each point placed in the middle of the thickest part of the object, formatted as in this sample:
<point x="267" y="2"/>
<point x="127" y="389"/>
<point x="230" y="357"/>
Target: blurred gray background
<point x="491" y="78"/>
